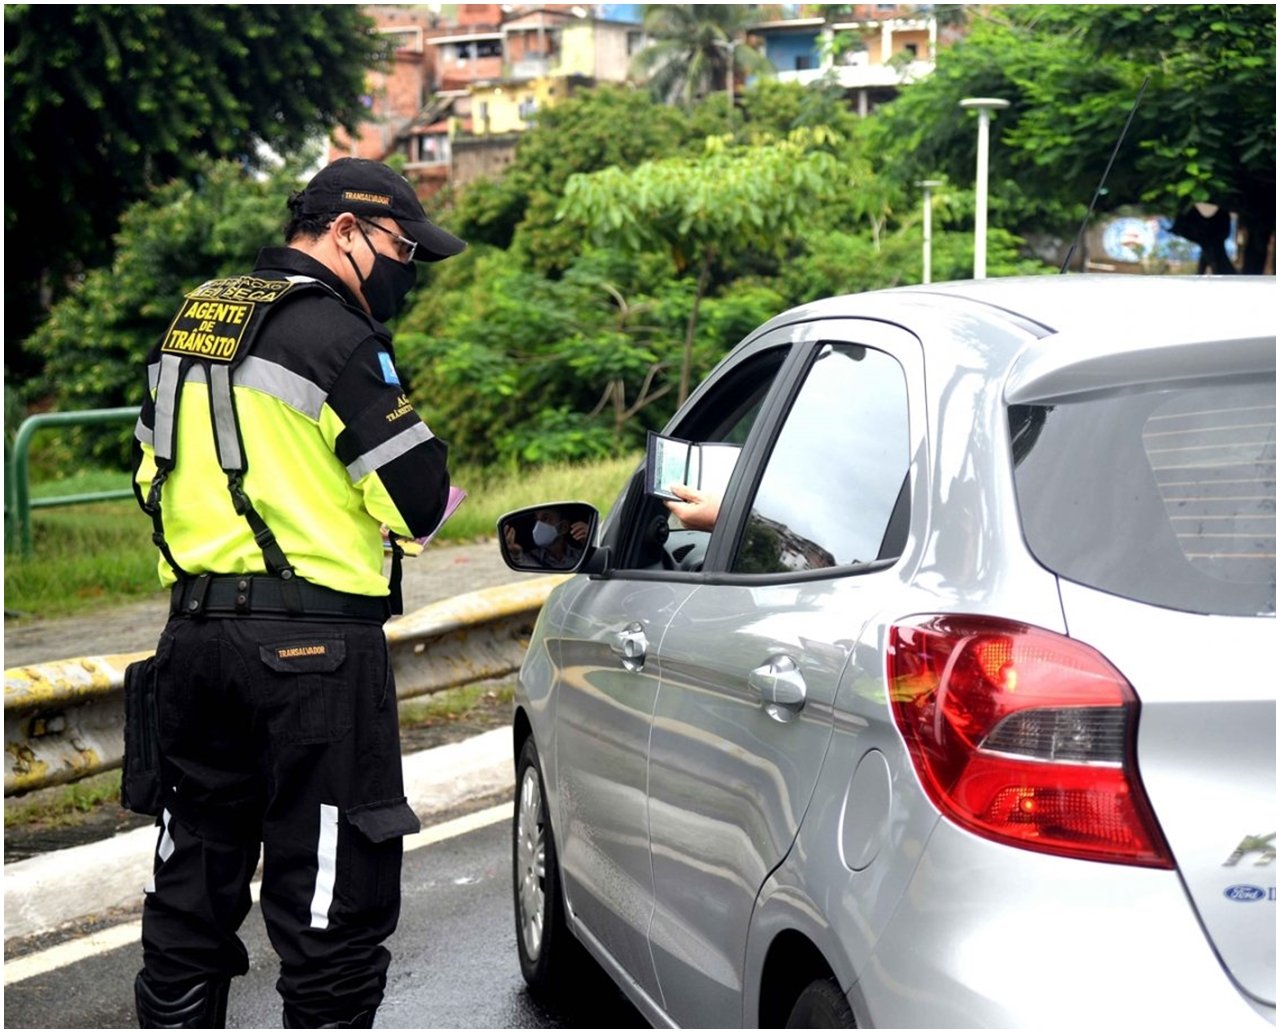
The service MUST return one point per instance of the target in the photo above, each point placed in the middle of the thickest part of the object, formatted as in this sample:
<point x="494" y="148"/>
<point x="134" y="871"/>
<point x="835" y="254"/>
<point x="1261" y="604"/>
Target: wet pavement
<point x="454" y="961"/>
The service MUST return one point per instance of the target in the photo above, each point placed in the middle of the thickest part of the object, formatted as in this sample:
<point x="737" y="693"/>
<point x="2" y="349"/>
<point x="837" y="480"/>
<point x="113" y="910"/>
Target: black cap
<point x="370" y="188"/>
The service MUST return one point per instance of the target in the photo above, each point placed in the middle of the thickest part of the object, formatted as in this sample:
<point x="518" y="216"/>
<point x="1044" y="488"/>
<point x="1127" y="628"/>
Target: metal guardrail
<point x="64" y="720"/>
<point x="18" y="502"/>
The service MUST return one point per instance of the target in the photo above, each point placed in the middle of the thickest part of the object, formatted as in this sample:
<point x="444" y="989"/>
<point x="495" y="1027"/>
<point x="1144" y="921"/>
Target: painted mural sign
<point x="1146" y="239"/>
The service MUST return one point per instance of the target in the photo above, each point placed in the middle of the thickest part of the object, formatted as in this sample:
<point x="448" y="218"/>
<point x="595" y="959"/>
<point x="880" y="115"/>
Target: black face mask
<point x="387" y="283"/>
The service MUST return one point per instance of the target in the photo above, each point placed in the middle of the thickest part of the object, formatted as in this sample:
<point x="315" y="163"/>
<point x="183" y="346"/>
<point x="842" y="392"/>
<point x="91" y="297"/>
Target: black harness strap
<point x="152" y="508"/>
<point x="395" y="598"/>
<point x="215" y="329"/>
<point x="173" y="371"/>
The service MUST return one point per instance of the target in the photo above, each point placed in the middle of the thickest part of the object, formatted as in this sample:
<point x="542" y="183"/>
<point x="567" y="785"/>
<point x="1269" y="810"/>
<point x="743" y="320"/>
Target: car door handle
<point x="630" y="645"/>
<point x="781" y="687"/>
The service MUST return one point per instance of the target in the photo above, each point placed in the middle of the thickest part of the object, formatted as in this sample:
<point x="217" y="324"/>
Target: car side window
<point x="653" y="539"/>
<point x="833" y="492"/>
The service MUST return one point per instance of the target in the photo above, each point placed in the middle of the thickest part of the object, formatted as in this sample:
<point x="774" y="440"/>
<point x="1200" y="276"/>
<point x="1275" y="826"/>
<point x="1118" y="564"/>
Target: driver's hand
<point x="512" y="547"/>
<point x="578" y="529"/>
<point x="697" y="510"/>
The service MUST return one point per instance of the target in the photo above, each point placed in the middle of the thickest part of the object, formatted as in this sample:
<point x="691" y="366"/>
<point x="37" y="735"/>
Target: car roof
<point x="1080" y="302"/>
<point x="1088" y="332"/>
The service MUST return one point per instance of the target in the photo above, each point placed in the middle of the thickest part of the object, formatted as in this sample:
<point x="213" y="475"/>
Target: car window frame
<point x="803" y="341"/>
<point x="621" y="534"/>
<point x="808" y="339"/>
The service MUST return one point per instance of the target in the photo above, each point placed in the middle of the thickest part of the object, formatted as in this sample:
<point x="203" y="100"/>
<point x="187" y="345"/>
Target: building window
<point x="489" y="48"/>
<point x="635" y="42"/>
<point x="913" y="49"/>
<point x="803" y="62"/>
<point x="404" y="39"/>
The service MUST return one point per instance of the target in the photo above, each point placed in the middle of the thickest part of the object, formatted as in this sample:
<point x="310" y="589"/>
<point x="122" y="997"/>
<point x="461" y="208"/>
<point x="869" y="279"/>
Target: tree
<point x="579" y="135"/>
<point x="93" y="344"/>
<point x="694" y="48"/>
<point x="1204" y="131"/>
<point x="104" y="102"/>
<point x="730" y="200"/>
<point x="524" y="369"/>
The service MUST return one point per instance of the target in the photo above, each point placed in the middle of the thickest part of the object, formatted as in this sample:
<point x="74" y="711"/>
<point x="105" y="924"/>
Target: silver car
<point x="959" y="716"/>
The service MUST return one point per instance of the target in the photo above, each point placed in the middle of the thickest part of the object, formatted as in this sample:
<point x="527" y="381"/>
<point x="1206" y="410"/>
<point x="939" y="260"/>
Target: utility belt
<point x="261" y="595"/>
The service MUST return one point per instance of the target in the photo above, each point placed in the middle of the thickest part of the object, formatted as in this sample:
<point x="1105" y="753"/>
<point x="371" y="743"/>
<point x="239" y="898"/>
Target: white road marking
<point x="43" y="962"/>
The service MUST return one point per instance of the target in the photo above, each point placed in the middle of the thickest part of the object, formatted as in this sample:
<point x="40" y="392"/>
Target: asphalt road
<point x="454" y="959"/>
<point x="441" y="572"/>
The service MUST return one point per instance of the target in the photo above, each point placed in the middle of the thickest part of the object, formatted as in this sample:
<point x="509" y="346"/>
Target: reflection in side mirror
<point x="555" y="538"/>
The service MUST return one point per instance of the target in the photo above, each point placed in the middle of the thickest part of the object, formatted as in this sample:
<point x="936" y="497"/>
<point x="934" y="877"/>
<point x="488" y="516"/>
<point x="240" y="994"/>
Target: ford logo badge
<point x="1245" y="894"/>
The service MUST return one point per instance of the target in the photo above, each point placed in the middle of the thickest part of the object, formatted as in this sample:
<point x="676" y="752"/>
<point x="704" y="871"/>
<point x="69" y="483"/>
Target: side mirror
<point x="554" y="538"/>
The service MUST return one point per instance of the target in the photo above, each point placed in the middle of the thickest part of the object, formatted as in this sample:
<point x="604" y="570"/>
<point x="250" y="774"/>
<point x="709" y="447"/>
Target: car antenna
<point x="1105" y="172"/>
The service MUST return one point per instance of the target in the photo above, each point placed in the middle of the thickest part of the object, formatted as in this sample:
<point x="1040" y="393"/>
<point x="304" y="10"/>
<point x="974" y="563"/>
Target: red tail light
<point x="1023" y="736"/>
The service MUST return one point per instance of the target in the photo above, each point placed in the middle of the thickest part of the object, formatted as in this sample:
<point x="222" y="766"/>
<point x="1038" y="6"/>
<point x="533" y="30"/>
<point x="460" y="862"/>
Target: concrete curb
<point x="45" y="892"/>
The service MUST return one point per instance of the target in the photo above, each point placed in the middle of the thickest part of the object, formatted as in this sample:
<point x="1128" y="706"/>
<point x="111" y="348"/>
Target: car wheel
<point x="821" y="1005"/>
<point x="543" y="939"/>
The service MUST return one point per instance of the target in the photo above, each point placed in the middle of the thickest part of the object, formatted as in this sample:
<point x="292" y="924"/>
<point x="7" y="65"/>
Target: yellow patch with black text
<point x="213" y="318"/>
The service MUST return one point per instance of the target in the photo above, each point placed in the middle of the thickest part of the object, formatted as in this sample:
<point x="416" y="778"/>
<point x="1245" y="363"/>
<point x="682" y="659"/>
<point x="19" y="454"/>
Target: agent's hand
<point x="578" y="531"/>
<point x="697" y="510"/>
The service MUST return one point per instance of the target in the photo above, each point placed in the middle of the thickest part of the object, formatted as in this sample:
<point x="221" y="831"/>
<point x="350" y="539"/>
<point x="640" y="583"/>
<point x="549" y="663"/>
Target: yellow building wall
<point x="505" y="101"/>
<point x="920" y="37"/>
<point x="578" y="50"/>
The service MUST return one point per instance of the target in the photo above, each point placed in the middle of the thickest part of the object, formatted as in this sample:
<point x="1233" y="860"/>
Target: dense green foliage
<point x="105" y="101"/>
<point x="1205" y="129"/>
<point x="92" y="345"/>
<point x="611" y="266"/>
<point x="553" y="338"/>
<point x="631" y="244"/>
<point x="729" y="200"/>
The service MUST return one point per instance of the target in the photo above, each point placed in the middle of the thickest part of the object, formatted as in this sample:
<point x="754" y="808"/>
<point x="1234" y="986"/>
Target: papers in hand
<point x="414" y="546"/>
<point x="704" y="465"/>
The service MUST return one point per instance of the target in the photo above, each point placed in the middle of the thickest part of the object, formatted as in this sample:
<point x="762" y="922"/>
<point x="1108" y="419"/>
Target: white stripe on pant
<point x="326" y="866"/>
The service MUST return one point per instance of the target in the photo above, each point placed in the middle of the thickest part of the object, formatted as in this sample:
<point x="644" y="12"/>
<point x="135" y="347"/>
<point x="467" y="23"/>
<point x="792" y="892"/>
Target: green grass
<point x="83" y="556"/>
<point x="454" y="704"/>
<point x="100" y="554"/>
<point x="63" y="805"/>
<point x="489" y="496"/>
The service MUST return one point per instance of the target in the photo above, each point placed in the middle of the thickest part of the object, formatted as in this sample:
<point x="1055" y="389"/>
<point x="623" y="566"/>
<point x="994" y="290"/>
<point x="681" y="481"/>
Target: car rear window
<point x="1163" y="496"/>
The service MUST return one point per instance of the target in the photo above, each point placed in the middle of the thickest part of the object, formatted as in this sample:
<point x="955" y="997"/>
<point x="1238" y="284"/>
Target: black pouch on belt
<point x="140" y="784"/>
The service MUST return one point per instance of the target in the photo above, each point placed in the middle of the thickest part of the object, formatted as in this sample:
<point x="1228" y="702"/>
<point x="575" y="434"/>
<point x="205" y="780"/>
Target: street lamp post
<point x="984" y="107"/>
<point x="927" y="185"/>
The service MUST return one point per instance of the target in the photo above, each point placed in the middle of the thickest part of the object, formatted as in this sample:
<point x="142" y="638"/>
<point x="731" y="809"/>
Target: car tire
<point x="821" y="1005"/>
<point x="546" y="946"/>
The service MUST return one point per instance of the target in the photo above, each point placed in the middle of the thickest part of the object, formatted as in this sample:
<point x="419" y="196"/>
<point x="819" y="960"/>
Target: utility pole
<point x="927" y="264"/>
<point x="984" y="107"/>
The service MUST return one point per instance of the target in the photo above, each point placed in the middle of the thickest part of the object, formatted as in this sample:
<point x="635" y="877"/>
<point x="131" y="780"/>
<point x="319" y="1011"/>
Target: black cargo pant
<point x="284" y="733"/>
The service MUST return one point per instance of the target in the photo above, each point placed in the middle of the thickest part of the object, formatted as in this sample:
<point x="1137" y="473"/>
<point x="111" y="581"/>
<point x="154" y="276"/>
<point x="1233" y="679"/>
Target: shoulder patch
<point x="212" y="320"/>
<point x="388" y="369"/>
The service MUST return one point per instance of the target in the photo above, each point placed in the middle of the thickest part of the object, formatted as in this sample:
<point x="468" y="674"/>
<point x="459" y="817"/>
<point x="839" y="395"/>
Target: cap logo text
<point x="358" y="195"/>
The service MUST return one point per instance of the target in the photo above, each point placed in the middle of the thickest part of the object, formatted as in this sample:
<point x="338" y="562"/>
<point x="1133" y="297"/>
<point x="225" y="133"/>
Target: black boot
<point x="363" y="1020"/>
<point x="202" y="1006"/>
